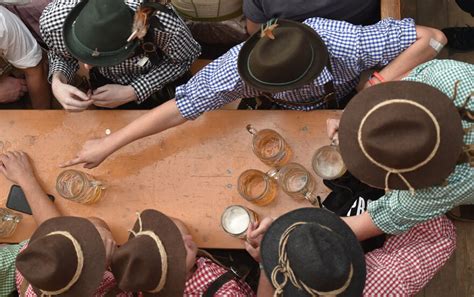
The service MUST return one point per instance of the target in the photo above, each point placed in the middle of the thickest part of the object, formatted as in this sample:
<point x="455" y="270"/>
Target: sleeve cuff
<point x="185" y="106"/>
<point x="379" y="212"/>
<point x="64" y="68"/>
<point x="142" y="89"/>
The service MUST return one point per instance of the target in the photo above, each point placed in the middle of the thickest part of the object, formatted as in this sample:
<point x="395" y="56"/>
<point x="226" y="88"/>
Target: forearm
<point x="38" y="86"/>
<point x="155" y="121"/>
<point x="362" y="226"/>
<point x="419" y="52"/>
<point x="41" y="207"/>
<point x="265" y="288"/>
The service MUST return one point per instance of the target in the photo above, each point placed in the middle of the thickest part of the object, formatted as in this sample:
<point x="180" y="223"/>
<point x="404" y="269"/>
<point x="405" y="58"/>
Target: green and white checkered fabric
<point x="398" y="211"/>
<point x="8" y="253"/>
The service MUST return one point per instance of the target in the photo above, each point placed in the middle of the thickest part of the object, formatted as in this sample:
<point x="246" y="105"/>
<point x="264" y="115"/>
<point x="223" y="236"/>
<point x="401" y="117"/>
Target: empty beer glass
<point x="79" y="187"/>
<point x="297" y="182"/>
<point x="8" y="222"/>
<point x="270" y="147"/>
<point x="328" y="163"/>
<point x="257" y="187"/>
<point x="236" y="219"/>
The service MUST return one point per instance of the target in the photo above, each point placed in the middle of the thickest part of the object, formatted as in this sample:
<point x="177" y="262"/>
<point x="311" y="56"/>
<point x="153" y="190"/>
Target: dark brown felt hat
<point x="402" y="125"/>
<point x="294" y="58"/>
<point x="137" y="265"/>
<point x="51" y="260"/>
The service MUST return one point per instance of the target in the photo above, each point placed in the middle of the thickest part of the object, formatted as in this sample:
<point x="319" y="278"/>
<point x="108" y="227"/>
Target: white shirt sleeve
<point x="17" y="45"/>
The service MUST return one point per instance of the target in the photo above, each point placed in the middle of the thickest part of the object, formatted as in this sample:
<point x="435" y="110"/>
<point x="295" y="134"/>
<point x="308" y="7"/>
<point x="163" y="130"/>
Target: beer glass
<point x="327" y="162"/>
<point x="297" y="182"/>
<point x="236" y="219"/>
<point x="79" y="186"/>
<point x="270" y="147"/>
<point x="257" y="187"/>
<point x="8" y="222"/>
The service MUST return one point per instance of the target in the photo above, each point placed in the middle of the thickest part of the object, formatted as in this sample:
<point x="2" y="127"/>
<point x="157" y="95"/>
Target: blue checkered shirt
<point x="175" y="40"/>
<point x="352" y="49"/>
<point x="398" y="211"/>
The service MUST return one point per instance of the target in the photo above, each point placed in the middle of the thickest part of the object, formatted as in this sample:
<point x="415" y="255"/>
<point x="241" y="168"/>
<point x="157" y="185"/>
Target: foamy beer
<point x="328" y="163"/>
<point x="79" y="186"/>
<point x="236" y="219"/>
<point x="270" y="147"/>
<point x="257" y="187"/>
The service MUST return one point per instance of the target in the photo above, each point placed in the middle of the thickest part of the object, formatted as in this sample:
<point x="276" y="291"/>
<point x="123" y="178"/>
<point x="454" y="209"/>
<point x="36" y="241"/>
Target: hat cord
<point x="80" y="264"/>
<point x="284" y="268"/>
<point x="396" y="171"/>
<point x="161" y="248"/>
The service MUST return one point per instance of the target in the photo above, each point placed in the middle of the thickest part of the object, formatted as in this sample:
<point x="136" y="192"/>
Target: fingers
<point x="261" y="229"/>
<point x="72" y="162"/>
<point x="90" y="165"/>
<point x="3" y="170"/>
<point x="75" y="105"/>
<point x="78" y="93"/>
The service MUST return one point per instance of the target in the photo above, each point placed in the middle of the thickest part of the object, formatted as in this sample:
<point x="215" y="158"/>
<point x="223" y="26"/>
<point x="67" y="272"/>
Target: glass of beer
<point x="236" y="219"/>
<point x="327" y="162"/>
<point x="270" y="147"/>
<point x="79" y="186"/>
<point x="257" y="187"/>
<point x="8" y="222"/>
<point x="297" y="182"/>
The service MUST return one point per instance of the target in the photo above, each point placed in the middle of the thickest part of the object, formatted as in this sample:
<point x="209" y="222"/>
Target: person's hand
<point x="112" y="96"/>
<point x="255" y="234"/>
<point x="92" y="154"/>
<point x="12" y="89"/>
<point x="70" y="97"/>
<point x="332" y="127"/>
<point x="16" y="167"/>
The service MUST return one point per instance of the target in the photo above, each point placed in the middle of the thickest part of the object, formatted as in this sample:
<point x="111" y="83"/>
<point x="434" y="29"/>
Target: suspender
<point x="329" y="98"/>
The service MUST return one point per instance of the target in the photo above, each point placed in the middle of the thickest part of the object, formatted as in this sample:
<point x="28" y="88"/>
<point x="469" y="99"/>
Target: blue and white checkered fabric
<point x="352" y="49"/>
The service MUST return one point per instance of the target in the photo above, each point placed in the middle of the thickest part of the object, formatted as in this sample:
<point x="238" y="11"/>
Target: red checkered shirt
<point x="207" y="271"/>
<point x="407" y="262"/>
<point x="108" y="282"/>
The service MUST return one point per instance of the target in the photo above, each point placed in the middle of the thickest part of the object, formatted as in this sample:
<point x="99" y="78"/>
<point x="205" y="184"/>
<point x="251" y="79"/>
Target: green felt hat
<point x="96" y="31"/>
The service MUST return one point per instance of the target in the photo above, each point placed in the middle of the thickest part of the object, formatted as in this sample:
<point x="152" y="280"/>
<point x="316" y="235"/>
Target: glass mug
<point x="257" y="187"/>
<point x="297" y="182"/>
<point x="9" y="221"/>
<point x="79" y="186"/>
<point x="236" y="219"/>
<point x="327" y="162"/>
<point x="270" y="147"/>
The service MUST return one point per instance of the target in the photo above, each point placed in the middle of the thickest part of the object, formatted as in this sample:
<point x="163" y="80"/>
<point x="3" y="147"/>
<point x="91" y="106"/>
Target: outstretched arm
<point x="155" y="121"/>
<point x="16" y="167"/>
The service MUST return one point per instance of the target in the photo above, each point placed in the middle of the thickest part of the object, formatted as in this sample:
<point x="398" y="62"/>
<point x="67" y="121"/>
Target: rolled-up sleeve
<point x="398" y="211"/>
<point x="214" y="86"/>
<point x="382" y="42"/>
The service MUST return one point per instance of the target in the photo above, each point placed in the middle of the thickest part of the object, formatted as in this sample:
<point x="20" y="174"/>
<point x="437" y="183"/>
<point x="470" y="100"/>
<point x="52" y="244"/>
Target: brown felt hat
<point x="54" y="254"/>
<point x="153" y="260"/>
<point x="401" y="135"/>
<point x="295" y="57"/>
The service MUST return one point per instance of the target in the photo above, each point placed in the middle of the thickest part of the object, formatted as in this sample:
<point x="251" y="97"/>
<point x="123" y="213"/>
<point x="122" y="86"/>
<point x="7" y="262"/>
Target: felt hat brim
<point x="92" y="247"/>
<point x="83" y="54"/>
<point x="320" y="60"/>
<point x="431" y="174"/>
<point x="270" y="254"/>
<point x="172" y="240"/>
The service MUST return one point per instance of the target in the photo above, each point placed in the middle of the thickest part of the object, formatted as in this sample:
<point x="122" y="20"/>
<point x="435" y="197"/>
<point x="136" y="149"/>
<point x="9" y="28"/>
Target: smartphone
<point x="17" y="200"/>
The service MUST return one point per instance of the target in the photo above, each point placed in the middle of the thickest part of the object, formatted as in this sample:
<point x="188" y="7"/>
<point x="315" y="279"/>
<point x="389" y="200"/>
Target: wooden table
<point x="189" y="172"/>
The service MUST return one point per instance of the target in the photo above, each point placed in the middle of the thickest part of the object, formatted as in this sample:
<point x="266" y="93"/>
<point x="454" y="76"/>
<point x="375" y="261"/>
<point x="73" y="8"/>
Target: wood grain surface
<point x="189" y="172"/>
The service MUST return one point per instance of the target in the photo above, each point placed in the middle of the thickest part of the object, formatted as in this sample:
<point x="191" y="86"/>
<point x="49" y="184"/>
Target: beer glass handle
<point x="334" y="142"/>
<point x="314" y="200"/>
<point x="272" y="173"/>
<point x="98" y="184"/>
<point x="251" y="129"/>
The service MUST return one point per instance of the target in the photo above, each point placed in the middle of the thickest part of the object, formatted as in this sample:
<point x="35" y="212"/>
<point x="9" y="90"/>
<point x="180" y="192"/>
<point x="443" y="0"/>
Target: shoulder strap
<point x="218" y="283"/>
